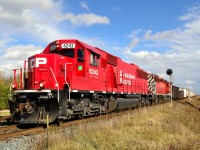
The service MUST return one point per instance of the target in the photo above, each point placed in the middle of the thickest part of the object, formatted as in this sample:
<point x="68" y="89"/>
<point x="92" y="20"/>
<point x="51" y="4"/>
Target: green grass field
<point x="157" y="127"/>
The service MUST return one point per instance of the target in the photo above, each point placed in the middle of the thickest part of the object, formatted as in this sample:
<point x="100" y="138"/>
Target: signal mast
<point x="169" y="72"/>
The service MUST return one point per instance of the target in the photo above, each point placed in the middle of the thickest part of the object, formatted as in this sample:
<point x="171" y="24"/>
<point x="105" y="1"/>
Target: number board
<point x="68" y="45"/>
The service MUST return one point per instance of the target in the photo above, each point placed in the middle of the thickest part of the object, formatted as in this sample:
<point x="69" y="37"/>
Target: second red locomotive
<point x="72" y="79"/>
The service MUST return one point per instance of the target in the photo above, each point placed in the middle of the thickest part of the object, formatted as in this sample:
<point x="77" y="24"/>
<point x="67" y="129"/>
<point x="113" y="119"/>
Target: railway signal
<point x="170" y="72"/>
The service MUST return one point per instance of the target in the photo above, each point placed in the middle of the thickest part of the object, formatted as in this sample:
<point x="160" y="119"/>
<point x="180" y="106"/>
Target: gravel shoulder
<point x="22" y="143"/>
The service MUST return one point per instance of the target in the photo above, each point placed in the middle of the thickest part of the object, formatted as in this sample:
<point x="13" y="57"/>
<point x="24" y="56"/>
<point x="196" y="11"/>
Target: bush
<point x="4" y="91"/>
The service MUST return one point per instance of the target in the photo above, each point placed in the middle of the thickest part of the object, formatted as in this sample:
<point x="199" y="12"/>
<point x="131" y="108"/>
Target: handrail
<point x="15" y="78"/>
<point x="24" y="74"/>
<point x="66" y="79"/>
<point x="56" y="83"/>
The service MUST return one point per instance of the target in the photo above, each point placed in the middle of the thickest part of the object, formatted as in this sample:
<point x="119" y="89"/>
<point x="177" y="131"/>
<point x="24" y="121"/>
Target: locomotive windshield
<point x="68" y="53"/>
<point x="80" y="55"/>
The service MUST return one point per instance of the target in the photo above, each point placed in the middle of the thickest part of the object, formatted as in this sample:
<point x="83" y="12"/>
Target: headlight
<point x="13" y="86"/>
<point x="41" y="85"/>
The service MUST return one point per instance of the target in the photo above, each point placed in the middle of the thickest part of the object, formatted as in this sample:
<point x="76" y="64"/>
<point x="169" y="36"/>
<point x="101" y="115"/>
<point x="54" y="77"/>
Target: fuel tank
<point x="125" y="102"/>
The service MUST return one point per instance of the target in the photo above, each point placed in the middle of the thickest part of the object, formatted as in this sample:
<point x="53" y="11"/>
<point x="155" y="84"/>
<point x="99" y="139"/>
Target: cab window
<point x="94" y="59"/>
<point x="67" y="53"/>
<point x="80" y="55"/>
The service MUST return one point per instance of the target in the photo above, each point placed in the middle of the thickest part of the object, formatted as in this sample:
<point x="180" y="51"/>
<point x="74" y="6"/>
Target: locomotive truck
<point x="72" y="79"/>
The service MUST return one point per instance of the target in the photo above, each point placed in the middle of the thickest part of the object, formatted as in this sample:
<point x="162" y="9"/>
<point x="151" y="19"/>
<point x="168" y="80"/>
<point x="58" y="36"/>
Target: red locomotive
<point x="72" y="79"/>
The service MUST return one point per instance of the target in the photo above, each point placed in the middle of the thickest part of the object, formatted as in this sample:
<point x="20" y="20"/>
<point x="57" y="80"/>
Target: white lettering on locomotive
<point x="93" y="71"/>
<point x="125" y="78"/>
<point x="40" y="61"/>
<point x="68" y="45"/>
<point x="125" y="81"/>
<point x="120" y="73"/>
<point x="32" y="63"/>
<point x="37" y="62"/>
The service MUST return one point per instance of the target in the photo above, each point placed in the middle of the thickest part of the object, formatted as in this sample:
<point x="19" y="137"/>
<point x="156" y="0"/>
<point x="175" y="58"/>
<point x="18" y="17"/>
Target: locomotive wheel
<point x="147" y="103"/>
<point x="142" y="102"/>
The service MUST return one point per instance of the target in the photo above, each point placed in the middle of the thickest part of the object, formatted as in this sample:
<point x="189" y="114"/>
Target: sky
<point x="156" y="35"/>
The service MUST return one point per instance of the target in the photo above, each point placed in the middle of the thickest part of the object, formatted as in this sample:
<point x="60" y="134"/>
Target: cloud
<point x="25" y="12"/>
<point x="85" y="6"/>
<point x="134" y="43"/>
<point x="83" y="19"/>
<point x="14" y="56"/>
<point x="189" y="82"/>
<point x="21" y="51"/>
<point x="32" y="18"/>
<point x="38" y="20"/>
<point x="178" y="49"/>
<point x="29" y="14"/>
<point x="192" y="13"/>
<point x="4" y="42"/>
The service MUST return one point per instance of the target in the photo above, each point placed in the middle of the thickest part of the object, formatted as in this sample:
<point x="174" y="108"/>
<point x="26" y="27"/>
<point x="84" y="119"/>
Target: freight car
<point x="73" y="79"/>
<point x="180" y="93"/>
<point x="176" y="93"/>
<point x="186" y="93"/>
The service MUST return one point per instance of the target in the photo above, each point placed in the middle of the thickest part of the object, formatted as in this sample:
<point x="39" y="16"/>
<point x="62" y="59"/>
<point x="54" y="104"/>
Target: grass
<point x="195" y="102"/>
<point x="4" y="113"/>
<point x="156" y="127"/>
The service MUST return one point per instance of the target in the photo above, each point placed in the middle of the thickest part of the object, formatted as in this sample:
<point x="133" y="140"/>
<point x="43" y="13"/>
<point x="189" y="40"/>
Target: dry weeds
<point x="156" y="127"/>
<point x="4" y="112"/>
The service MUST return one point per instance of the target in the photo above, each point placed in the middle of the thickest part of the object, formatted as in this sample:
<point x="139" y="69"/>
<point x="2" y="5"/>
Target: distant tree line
<point x="5" y="83"/>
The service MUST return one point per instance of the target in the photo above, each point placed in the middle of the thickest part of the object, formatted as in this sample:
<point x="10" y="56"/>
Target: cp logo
<point x="37" y="62"/>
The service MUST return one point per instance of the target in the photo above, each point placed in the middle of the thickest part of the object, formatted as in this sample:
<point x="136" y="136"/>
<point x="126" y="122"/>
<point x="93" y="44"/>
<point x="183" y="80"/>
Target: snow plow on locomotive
<point x="72" y="79"/>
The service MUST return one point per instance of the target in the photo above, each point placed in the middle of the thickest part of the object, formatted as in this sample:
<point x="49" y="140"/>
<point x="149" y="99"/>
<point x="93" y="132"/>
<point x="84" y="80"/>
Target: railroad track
<point x="12" y="131"/>
<point x="4" y="118"/>
<point x="9" y="128"/>
<point x="185" y="102"/>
